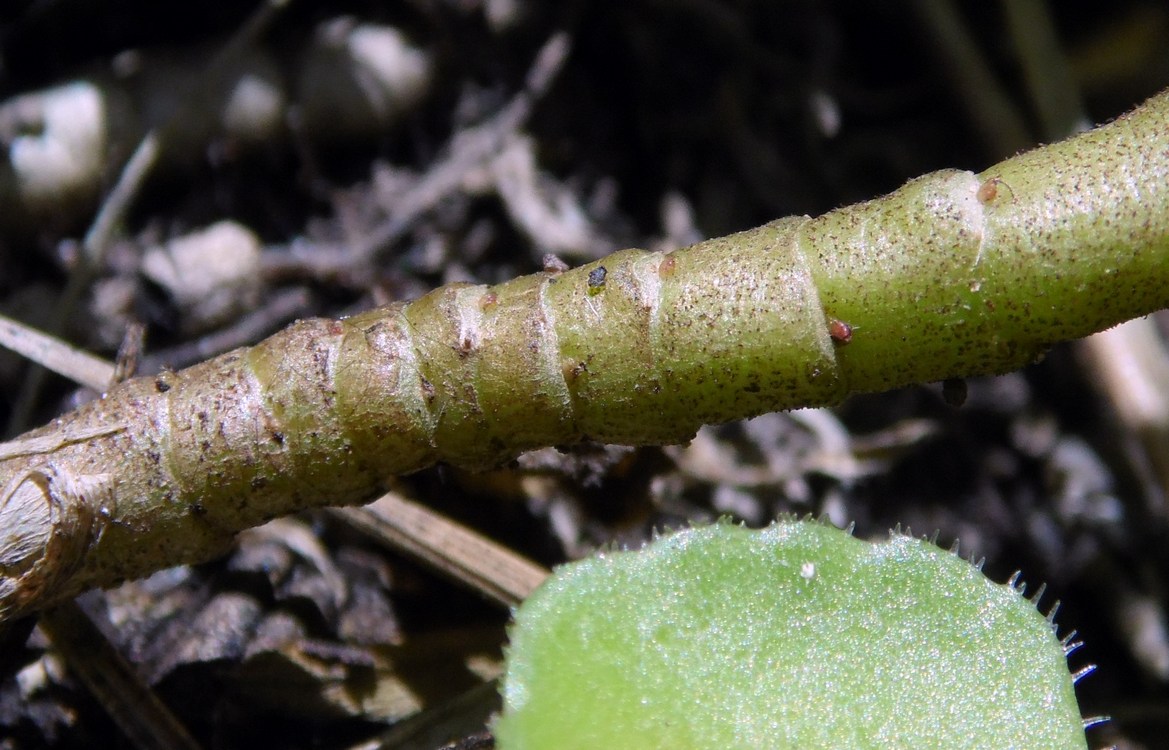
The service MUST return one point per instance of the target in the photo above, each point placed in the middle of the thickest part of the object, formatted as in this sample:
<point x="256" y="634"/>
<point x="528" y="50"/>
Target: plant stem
<point x="955" y="274"/>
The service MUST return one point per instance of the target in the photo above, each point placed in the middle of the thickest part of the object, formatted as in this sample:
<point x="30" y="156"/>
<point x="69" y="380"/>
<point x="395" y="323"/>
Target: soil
<point x="667" y="122"/>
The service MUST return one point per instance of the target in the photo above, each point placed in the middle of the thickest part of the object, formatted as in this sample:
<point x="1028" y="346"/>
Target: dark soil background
<point x="668" y="121"/>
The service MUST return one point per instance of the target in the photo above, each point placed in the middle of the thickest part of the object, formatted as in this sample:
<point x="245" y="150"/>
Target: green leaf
<point x="796" y="636"/>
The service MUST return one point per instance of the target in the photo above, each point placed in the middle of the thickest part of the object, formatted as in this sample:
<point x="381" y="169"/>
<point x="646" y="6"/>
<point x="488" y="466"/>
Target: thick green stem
<point x="954" y="274"/>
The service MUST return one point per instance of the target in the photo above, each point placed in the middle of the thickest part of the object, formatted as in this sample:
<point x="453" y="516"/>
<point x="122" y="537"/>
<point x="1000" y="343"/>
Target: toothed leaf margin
<point x="795" y="636"/>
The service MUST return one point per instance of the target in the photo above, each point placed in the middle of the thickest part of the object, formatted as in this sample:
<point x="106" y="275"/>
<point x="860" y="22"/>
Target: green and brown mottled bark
<point x="955" y="274"/>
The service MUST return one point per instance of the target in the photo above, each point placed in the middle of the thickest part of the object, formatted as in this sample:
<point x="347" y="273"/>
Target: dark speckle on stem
<point x="597" y="279"/>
